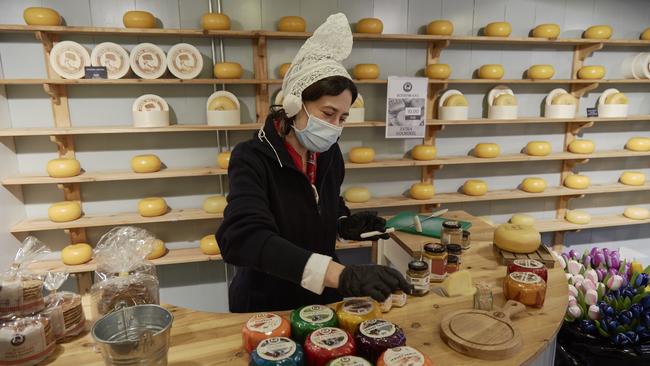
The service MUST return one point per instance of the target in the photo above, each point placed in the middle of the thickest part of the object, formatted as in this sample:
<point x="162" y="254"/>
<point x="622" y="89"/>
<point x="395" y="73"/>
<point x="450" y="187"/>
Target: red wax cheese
<point x="525" y="287"/>
<point x="400" y="356"/>
<point x="262" y="326"/>
<point x="528" y="265"/>
<point x="325" y="344"/>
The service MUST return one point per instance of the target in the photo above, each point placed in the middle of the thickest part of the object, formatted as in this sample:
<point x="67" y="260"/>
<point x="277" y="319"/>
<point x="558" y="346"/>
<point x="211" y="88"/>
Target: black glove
<point x="372" y="280"/>
<point x="353" y="226"/>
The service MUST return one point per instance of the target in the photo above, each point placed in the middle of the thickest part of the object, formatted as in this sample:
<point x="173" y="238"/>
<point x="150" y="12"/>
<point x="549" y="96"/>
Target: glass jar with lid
<point x="418" y="275"/>
<point x="452" y="233"/>
<point x="436" y="257"/>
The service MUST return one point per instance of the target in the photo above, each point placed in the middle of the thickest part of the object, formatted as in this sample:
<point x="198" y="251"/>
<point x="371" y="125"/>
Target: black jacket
<point x="272" y="223"/>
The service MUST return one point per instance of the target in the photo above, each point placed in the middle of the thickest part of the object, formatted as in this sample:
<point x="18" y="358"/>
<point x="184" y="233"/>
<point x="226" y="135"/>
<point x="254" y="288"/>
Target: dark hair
<point x="333" y="85"/>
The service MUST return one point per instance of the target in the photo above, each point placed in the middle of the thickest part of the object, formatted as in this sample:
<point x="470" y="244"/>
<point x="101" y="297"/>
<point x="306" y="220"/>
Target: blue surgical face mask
<point x="319" y="135"/>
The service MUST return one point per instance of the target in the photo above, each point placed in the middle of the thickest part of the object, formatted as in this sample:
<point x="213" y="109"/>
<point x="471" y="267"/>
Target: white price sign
<point x="406" y="107"/>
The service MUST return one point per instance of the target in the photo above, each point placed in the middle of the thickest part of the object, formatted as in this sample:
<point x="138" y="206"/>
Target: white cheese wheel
<point x="357" y="195"/>
<point x="522" y="219"/>
<point x="152" y="206"/>
<point x="533" y="185"/>
<point x="577" y="181"/>
<point x="636" y="213"/>
<point x="633" y="178"/>
<point x="577" y="217"/>
<point x="517" y="238"/>
<point x="64" y="211"/>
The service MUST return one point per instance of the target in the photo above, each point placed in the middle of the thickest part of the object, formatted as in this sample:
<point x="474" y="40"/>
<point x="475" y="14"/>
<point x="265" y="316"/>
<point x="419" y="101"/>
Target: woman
<point x="284" y="208"/>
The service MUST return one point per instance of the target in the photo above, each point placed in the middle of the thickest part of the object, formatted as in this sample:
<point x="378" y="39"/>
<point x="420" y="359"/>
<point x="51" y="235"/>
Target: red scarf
<point x="312" y="157"/>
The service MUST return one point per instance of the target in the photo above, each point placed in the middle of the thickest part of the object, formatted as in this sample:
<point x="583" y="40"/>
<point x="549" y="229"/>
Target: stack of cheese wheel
<point x="375" y="336"/>
<point x="308" y="318"/>
<point x="351" y="312"/>
<point x="517" y="238"/>
<point x="262" y="326"/>
<point x="528" y="265"/>
<point x="75" y="254"/>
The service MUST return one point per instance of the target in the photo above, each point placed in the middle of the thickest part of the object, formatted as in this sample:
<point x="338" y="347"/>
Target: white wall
<point x="202" y="286"/>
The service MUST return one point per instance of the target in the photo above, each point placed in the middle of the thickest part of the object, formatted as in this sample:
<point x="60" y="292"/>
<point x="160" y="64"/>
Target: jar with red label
<point x="453" y="263"/>
<point x="436" y="257"/>
<point x="528" y="265"/>
<point x="525" y="287"/>
<point x="328" y="343"/>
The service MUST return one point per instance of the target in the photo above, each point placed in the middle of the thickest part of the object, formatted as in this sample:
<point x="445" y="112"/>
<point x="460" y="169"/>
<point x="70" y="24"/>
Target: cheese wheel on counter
<point x="582" y="146"/>
<point x="146" y="163"/>
<point x="487" y="150"/>
<point x="375" y="336"/>
<point x="362" y="155"/>
<point x="152" y="206"/>
<point x="75" y="254"/>
<point x="638" y="144"/>
<point x="522" y="219"/>
<point x="215" y="204"/>
<point x="577" y="181"/>
<point x="277" y="351"/>
<point x="64" y="211"/>
<point x="349" y="361"/>
<point x="357" y="195"/>
<point x="159" y="249"/>
<point x="308" y="318"/>
<point x="63" y="168"/>
<point x="577" y="217"/>
<point x="400" y="356"/>
<point x="475" y="187"/>
<point x="422" y="191"/>
<point x="533" y="185"/>
<point x="352" y="312"/>
<point x="538" y="148"/>
<point x="326" y="344"/>
<point x="632" y="178"/>
<point x="528" y="265"/>
<point x="262" y="326"/>
<point x="513" y="238"/>
<point x="525" y="287"/>
<point x="636" y="213"/>
<point x="423" y="152"/>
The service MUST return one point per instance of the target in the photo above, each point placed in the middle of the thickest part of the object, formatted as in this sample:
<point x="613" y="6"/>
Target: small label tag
<point x="96" y="72"/>
<point x="592" y="112"/>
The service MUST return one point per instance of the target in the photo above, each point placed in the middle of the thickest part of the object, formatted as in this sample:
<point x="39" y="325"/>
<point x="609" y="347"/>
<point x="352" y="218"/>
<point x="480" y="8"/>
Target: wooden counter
<point x="201" y="338"/>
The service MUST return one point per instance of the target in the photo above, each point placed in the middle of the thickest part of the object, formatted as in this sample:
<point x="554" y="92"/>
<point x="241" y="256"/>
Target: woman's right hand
<point x="372" y="280"/>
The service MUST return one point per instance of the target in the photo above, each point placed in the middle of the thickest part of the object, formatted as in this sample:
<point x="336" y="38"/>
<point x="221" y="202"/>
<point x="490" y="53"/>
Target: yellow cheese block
<point x="145" y="163"/>
<point x="487" y="150"/>
<point x="215" y="204"/>
<point x="550" y="31"/>
<point x="455" y="100"/>
<point x="228" y="70"/>
<point x="646" y="35"/>
<point x="357" y="195"/>
<point x="564" y="99"/>
<point x="538" y="148"/>
<point x="497" y="29"/>
<point x="577" y="217"/>
<point x="370" y="25"/>
<point x="459" y="283"/>
<point x="582" y="146"/>
<point x="505" y="100"/>
<point x="517" y="238"/>
<point x="633" y="178"/>
<point x="577" y="181"/>
<point x="292" y="23"/>
<point x="64" y="211"/>
<point x="75" y="254"/>
<point x="209" y="246"/>
<point x="533" y="185"/>
<point x="152" y="206"/>
<point x="159" y="249"/>
<point x="222" y="103"/>
<point x="215" y="21"/>
<point x="41" y="16"/>
<point x="616" y="98"/>
<point x="366" y="71"/>
<point x="598" y="32"/>
<point x="540" y="72"/>
<point x="638" y="144"/>
<point x="591" y="72"/>
<point x="440" y="28"/>
<point x="422" y="191"/>
<point x="636" y="213"/>
<point x="475" y="187"/>
<point x="362" y="155"/>
<point x="223" y="159"/>
<point x="139" y="19"/>
<point x="423" y="152"/>
<point x="282" y="71"/>
<point x="490" y="71"/>
<point x="63" y="168"/>
<point x="522" y="219"/>
<point x="438" y="71"/>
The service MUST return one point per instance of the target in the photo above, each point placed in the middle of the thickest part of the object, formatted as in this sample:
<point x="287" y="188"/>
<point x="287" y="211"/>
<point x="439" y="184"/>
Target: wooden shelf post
<point x="260" y="61"/>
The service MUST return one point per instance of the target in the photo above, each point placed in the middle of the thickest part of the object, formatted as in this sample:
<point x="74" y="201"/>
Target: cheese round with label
<point x="636" y="213"/>
<point x="292" y="23"/>
<point x="577" y="217"/>
<point x="638" y="144"/>
<point x="308" y="318"/>
<point x="146" y="163"/>
<point x="475" y="187"/>
<point x="362" y="155"/>
<point x="577" y="181"/>
<point x="422" y="191"/>
<point x="538" y="148"/>
<point x="370" y="25"/>
<point x="351" y="312"/>
<point x="517" y="238"/>
<point x="152" y="206"/>
<point x="277" y="351"/>
<point x="400" y="356"/>
<point x="440" y="27"/>
<point x="528" y="265"/>
<point x="487" y="150"/>
<point x="375" y="336"/>
<point x="525" y="287"/>
<point x="533" y="185"/>
<point x="522" y="219"/>
<point x="63" y="168"/>
<point x="423" y="152"/>
<point x="262" y="326"/>
<point x="75" y="254"/>
<point x="64" y="211"/>
<point x="497" y="29"/>
<point x="215" y="204"/>
<point x="582" y="146"/>
<point x="633" y="178"/>
<point x="326" y="344"/>
<point x="349" y="361"/>
<point x="357" y="195"/>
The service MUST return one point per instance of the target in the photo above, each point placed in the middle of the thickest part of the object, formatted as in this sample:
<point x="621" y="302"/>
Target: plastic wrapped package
<point x="123" y="276"/>
<point x="21" y="292"/>
<point x="26" y="341"/>
<point x="63" y="309"/>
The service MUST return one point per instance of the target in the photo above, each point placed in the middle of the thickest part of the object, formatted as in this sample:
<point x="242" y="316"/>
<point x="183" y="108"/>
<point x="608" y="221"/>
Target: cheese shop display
<point x="497" y="29"/>
<point x="540" y="72"/>
<point x="522" y="219"/>
<point x="148" y="61"/>
<point x="365" y="71"/>
<point x="362" y="155"/>
<point x="577" y="217"/>
<point x="525" y="287"/>
<point x="64" y="211"/>
<point x="598" y="32"/>
<point x="636" y="213"/>
<point x="75" y="254"/>
<point x="215" y="204"/>
<point x="423" y="152"/>
<point x="641" y="144"/>
<point x="475" y="187"/>
<point x="326" y="344"/>
<point x="159" y="250"/>
<point x="452" y="105"/>
<point x="491" y="71"/>
<point x="440" y="27"/>
<point x="538" y="148"/>
<point x="309" y="318"/>
<point x="550" y="31"/>
<point x="375" y="336"/>
<point x="277" y="351"/>
<point x="26" y="341"/>
<point x="209" y="246"/>
<point x="635" y="66"/>
<point x="357" y="195"/>
<point x="595" y="72"/>
<point x="369" y="25"/>
<point x="292" y="23"/>
<point x="613" y="103"/>
<point x="577" y="181"/>
<point x="41" y="16"/>
<point x="215" y="21"/>
<point x="645" y="35"/>
<point x="357" y="110"/>
<point x="459" y="283"/>
<point x="352" y="311"/>
<point x="152" y="207"/>
<point x="582" y="146"/>
<point x="223" y="109"/>
<point x="263" y="326"/>
<point x="63" y="168"/>
<point x="68" y="59"/>
<point x="560" y="104"/>
<point x="62" y="308"/>
<point x="112" y="56"/>
<point x="150" y="110"/>
<point x="148" y="163"/>
<point x="517" y="238"/>
<point x="533" y="185"/>
<point x="184" y="61"/>
<point x="422" y="191"/>
<point x="223" y="159"/>
<point x="502" y="103"/>
<point x="438" y="71"/>
<point x="631" y="178"/>
<point x="228" y="70"/>
<point x="486" y="150"/>
<point x="404" y="355"/>
<point x="283" y="69"/>
<point x="139" y="19"/>
<point x="529" y="265"/>
<point x="349" y="361"/>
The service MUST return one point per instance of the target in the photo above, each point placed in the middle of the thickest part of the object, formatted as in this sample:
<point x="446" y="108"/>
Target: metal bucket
<point x="134" y="336"/>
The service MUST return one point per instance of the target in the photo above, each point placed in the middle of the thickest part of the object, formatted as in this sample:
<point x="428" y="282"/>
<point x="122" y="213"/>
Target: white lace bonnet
<point x="320" y="57"/>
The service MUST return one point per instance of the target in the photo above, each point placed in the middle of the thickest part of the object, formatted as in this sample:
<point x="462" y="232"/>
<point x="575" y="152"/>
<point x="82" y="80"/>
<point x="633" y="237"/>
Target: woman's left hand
<point x="352" y="227"/>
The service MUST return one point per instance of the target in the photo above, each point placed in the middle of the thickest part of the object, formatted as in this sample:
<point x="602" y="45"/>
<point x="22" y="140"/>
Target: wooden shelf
<point x="501" y="81"/>
<point x="596" y="222"/>
<point x="537" y="120"/>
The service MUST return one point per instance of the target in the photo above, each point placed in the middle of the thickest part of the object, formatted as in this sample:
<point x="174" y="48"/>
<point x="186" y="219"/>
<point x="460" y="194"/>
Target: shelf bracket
<point x="579" y="90"/>
<point x="581" y="52"/>
<point x="47" y="40"/>
<point x="434" y="49"/>
<point x="579" y="126"/>
<point x="571" y="164"/>
<point x="65" y="145"/>
<point x="54" y="91"/>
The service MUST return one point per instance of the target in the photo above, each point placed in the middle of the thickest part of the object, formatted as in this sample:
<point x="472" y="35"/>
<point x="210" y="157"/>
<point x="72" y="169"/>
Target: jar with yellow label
<point x="436" y="257"/>
<point x="418" y="276"/>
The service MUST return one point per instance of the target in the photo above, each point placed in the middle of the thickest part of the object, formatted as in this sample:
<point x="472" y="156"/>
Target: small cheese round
<point x="490" y="71"/>
<point x="617" y="98"/>
<point x="540" y="72"/>
<point x="475" y="187"/>
<point x="357" y="195"/>
<point x="598" y="32"/>
<point x="577" y="217"/>
<point x="636" y="213"/>
<point x="362" y="155"/>
<point x="41" y="16"/>
<point x="633" y="178"/>
<point x="405" y="355"/>
<point x="327" y="343"/>
<point x="564" y="99"/>
<point x="533" y="185"/>
<point x="146" y="163"/>
<point x="525" y="287"/>
<point x="646" y="35"/>
<point x="353" y="311"/>
<point x="159" y="249"/>
<point x="455" y="100"/>
<point x="152" y="206"/>
<point x="522" y="219"/>
<point x="215" y="21"/>
<point x="215" y="204"/>
<point x="438" y="71"/>
<point x="497" y="29"/>
<point x="423" y="152"/>
<point x="577" y="181"/>
<point x="309" y="318"/>
<point x="638" y="144"/>
<point x="75" y="254"/>
<point x="550" y="31"/>
<point x="209" y="246"/>
<point x="538" y="148"/>
<point x="282" y="71"/>
<point x="223" y="159"/>
<point x="139" y="19"/>
<point x="440" y="27"/>
<point x="505" y="100"/>
<point x="228" y="70"/>
<point x="370" y="25"/>
<point x="591" y="72"/>
<point x="422" y="191"/>
<point x="262" y="326"/>
<point x="366" y="71"/>
<point x="292" y="23"/>
<point x="487" y="150"/>
<point x="582" y="146"/>
<point x="64" y="211"/>
<point x="63" y="168"/>
<point x="222" y="103"/>
<point x="517" y="238"/>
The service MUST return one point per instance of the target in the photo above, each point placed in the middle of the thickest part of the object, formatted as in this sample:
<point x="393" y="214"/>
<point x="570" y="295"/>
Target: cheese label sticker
<point x="276" y="349"/>
<point x="329" y="338"/>
<point x="264" y="322"/>
<point x="528" y="263"/>
<point x="400" y="356"/>
<point x="150" y="104"/>
<point x="184" y="60"/>
<point x="349" y="361"/>
<point x="377" y="328"/>
<point x="361" y="306"/>
<point x="148" y="61"/>
<point x="316" y="314"/>
<point x="526" y="277"/>
<point x="70" y="60"/>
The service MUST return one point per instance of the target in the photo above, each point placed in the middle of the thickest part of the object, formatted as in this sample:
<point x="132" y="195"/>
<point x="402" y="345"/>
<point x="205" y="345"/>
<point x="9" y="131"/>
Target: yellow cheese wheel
<point x="497" y="29"/>
<point x="152" y="206"/>
<point x="617" y="98"/>
<point x="228" y="70"/>
<point x="223" y="159"/>
<point x="159" y="249"/>
<point x="582" y="146"/>
<point x="362" y="155"/>
<point x="41" y="16"/>
<point x="540" y="72"/>
<point x="209" y="246"/>
<point x="370" y="25"/>
<point x="517" y="238"/>
<point x="75" y="254"/>
<point x="598" y="32"/>
<point x="282" y="71"/>
<point x="423" y="152"/>
<point x="522" y="219"/>
<point x="440" y="27"/>
<point x="222" y="103"/>
<point x="475" y="187"/>
<point x="139" y="19"/>
<point x="145" y="163"/>
<point x="357" y="194"/>
<point x="550" y="31"/>
<point x="646" y="35"/>
<point x="63" y="168"/>
<point x="577" y="217"/>
<point x="577" y="181"/>
<point x="505" y="100"/>
<point x="215" y="204"/>
<point x="358" y="103"/>
<point x="438" y="71"/>
<point x="638" y="144"/>
<point x="455" y="100"/>
<point x="215" y="21"/>
<point x="533" y="185"/>
<point x="353" y="311"/>
<point x="64" y="211"/>
<point x="487" y="150"/>
<point x="422" y="191"/>
<point x="490" y="71"/>
<point x="538" y="148"/>
<point x="366" y="71"/>
<point x="591" y="72"/>
<point x="636" y="213"/>
<point x="564" y="99"/>
<point x="292" y="23"/>
<point x="632" y="178"/>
